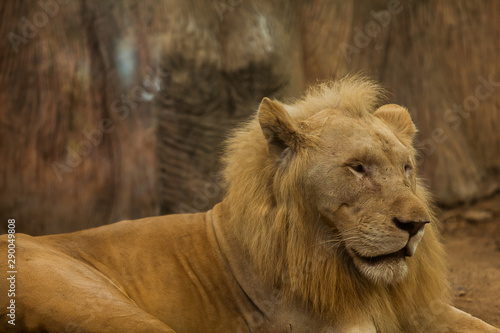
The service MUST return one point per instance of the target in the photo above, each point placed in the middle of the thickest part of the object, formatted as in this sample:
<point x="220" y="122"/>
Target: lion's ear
<point x="399" y="120"/>
<point x="279" y="129"/>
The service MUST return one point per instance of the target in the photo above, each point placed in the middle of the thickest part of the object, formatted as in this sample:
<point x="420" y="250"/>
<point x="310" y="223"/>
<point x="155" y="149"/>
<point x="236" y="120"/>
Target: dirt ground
<point x="472" y="238"/>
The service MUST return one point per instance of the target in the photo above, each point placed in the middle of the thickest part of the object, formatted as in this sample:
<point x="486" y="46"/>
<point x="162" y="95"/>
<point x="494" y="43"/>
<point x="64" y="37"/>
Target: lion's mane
<point x="267" y="211"/>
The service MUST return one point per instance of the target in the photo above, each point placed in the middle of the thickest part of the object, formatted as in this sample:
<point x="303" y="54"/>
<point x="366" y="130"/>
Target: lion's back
<point x="169" y="266"/>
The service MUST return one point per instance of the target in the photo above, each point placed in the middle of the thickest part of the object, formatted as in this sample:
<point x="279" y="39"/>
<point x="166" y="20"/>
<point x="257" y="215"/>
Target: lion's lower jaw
<point x="386" y="272"/>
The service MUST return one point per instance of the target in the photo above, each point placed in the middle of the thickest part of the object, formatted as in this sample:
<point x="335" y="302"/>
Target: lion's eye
<point x="408" y="168"/>
<point x="358" y="168"/>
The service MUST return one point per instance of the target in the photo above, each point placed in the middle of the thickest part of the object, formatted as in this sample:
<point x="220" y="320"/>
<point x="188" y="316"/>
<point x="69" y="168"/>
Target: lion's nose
<point x="410" y="226"/>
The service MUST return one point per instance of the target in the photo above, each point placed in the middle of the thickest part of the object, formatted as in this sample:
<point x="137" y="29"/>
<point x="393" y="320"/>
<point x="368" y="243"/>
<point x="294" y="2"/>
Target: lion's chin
<point x="385" y="269"/>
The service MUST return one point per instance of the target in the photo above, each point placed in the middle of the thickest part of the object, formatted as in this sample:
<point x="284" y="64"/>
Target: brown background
<point x="208" y="64"/>
<point x="117" y="110"/>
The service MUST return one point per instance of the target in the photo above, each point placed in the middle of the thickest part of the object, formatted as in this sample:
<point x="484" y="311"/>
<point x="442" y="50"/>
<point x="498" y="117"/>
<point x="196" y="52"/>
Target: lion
<point x="325" y="227"/>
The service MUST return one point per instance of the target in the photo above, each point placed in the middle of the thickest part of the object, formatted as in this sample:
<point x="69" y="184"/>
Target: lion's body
<point x="324" y="228"/>
<point x="92" y="280"/>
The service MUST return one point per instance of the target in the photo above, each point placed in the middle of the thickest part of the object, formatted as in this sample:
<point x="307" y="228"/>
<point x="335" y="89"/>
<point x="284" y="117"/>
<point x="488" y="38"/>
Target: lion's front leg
<point x="458" y="321"/>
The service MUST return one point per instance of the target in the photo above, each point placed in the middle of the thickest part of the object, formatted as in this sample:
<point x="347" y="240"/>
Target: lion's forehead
<point x="364" y="139"/>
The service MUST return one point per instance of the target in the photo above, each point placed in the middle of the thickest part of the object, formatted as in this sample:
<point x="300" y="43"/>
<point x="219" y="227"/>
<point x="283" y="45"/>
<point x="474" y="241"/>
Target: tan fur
<point x="399" y="120"/>
<point x="271" y="214"/>
<point x="312" y="236"/>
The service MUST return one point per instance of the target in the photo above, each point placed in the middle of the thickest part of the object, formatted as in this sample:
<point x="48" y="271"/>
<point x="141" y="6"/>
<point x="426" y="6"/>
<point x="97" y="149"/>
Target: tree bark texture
<point x="115" y="110"/>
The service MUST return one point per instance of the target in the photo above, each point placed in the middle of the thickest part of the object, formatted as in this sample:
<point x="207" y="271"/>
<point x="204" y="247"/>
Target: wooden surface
<point x="107" y="68"/>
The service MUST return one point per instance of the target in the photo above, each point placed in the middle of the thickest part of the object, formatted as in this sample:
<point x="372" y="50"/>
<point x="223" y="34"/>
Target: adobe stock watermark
<point x="29" y="29"/>
<point x="94" y="308"/>
<point x="363" y="37"/>
<point x="11" y="271"/>
<point x="202" y="198"/>
<point x="455" y="116"/>
<point x="121" y="108"/>
<point x="212" y="189"/>
<point x="224" y="6"/>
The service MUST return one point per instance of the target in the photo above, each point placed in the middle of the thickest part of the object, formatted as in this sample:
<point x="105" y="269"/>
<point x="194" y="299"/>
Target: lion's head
<point x="324" y="194"/>
<point x="361" y="181"/>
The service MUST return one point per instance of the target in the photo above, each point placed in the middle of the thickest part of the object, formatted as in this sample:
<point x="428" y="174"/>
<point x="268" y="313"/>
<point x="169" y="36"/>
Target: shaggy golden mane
<point x="269" y="213"/>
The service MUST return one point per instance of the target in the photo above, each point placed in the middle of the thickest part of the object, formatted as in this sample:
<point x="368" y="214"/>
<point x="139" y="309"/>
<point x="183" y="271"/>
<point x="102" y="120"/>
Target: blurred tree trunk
<point x="74" y="154"/>
<point x="77" y="80"/>
<point x="437" y="59"/>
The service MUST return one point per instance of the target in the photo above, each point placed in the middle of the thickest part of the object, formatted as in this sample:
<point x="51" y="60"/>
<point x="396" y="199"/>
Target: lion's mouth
<point x="401" y="254"/>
